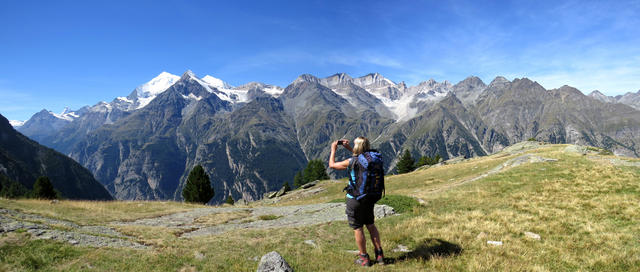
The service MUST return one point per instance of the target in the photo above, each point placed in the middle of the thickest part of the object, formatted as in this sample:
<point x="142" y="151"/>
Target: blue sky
<point x="74" y="53"/>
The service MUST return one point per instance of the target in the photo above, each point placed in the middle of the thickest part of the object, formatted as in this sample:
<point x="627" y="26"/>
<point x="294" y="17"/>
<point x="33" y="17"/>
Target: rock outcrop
<point x="273" y="262"/>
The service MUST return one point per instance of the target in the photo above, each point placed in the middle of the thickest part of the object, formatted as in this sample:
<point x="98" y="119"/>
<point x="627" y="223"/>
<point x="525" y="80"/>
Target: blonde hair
<point x="360" y="145"/>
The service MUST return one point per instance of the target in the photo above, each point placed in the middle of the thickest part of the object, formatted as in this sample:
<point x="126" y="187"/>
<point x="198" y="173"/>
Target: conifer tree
<point x="230" y="200"/>
<point x="198" y="187"/>
<point x="298" y="180"/>
<point x="286" y="186"/>
<point x="405" y="164"/>
<point x="315" y="170"/>
<point x="44" y="189"/>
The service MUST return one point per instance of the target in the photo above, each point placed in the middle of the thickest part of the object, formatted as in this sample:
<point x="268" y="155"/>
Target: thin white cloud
<point x="363" y="57"/>
<point x="294" y="56"/>
<point x="17" y="105"/>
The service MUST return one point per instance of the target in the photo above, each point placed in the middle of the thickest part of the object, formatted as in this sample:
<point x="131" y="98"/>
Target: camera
<point x="339" y="142"/>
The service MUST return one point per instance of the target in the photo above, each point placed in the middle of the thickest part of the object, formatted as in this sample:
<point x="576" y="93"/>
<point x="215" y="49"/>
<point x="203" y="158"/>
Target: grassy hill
<point x="582" y="202"/>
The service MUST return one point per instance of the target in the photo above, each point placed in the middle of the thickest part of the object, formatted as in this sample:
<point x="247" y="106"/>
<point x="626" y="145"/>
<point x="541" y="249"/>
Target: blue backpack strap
<point x="351" y="186"/>
<point x="362" y="172"/>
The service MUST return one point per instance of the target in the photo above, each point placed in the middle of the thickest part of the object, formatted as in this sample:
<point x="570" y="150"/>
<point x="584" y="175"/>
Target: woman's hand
<point x="334" y="145"/>
<point x="345" y="143"/>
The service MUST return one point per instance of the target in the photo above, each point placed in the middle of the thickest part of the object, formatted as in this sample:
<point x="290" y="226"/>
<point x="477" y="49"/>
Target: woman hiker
<point x="360" y="206"/>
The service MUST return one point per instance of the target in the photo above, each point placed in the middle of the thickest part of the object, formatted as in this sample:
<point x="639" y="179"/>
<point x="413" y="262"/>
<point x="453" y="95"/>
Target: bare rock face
<point x="273" y="262"/>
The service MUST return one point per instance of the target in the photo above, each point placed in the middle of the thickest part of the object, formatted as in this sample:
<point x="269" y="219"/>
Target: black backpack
<point x="366" y="176"/>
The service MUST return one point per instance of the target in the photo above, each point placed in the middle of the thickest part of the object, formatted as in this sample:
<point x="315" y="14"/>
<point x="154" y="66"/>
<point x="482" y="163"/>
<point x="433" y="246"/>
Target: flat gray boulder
<point x="309" y="185"/>
<point x="273" y="262"/>
<point x="281" y="192"/>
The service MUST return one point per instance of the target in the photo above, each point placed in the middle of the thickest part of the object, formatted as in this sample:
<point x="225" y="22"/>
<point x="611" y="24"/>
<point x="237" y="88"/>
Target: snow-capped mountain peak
<point x="66" y="110"/>
<point x="373" y="80"/>
<point x="600" y="96"/>
<point x="156" y="85"/>
<point x="16" y="123"/>
<point x="272" y="90"/>
<point x="216" y="82"/>
<point x="66" y="114"/>
<point x="218" y="87"/>
<point x="148" y="91"/>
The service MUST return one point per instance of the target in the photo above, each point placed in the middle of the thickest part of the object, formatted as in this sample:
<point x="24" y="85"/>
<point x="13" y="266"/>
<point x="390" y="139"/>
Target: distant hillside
<point x="23" y="160"/>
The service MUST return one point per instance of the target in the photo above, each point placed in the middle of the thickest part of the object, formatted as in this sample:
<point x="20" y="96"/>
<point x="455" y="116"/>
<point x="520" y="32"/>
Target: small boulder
<point x="532" y="235"/>
<point x="281" y="192"/>
<point x="272" y="194"/>
<point x="380" y="211"/>
<point x="273" y="262"/>
<point x="311" y="243"/>
<point x="401" y="248"/>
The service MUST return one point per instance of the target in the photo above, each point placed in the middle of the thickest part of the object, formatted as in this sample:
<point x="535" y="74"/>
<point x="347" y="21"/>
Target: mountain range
<point x="631" y="99"/>
<point x="253" y="138"/>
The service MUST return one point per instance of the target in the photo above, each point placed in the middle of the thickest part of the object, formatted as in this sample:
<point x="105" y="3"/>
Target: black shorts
<point x="359" y="213"/>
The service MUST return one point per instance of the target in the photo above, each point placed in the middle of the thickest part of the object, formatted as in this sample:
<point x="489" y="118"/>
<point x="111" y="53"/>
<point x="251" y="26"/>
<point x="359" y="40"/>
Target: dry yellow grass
<point x="221" y="218"/>
<point x="97" y="212"/>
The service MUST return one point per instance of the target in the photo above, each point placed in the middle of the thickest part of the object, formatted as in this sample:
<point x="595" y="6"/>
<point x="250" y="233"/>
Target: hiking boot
<point x="379" y="257"/>
<point x="363" y="260"/>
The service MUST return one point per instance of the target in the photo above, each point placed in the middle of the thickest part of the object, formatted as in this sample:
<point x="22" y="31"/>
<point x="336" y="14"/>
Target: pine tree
<point x="44" y="189"/>
<point x="298" y="180"/>
<point x="286" y="186"/>
<point x="315" y="170"/>
<point x="405" y="164"/>
<point x="198" y="188"/>
<point x="12" y="189"/>
<point x="230" y="200"/>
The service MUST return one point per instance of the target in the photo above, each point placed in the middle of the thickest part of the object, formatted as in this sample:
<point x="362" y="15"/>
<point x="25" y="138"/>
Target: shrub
<point x="605" y="152"/>
<point x="399" y="202"/>
<point x="426" y="160"/>
<point x="532" y="139"/>
<point x="198" y="188"/>
<point x="269" y="217"/>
